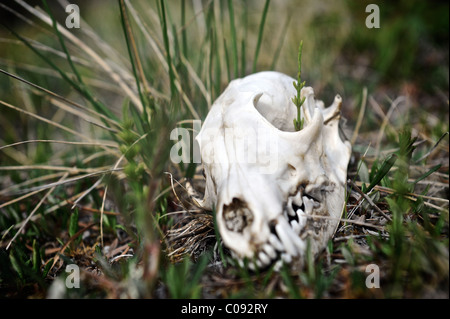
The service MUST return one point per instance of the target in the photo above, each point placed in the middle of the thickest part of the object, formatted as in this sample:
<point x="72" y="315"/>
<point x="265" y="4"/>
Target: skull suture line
<point x="268" y="181"/>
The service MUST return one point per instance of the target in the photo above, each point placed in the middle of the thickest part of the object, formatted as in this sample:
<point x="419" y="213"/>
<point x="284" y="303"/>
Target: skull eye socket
<point x="237" y="215"/>
<point x="277" y="115"/>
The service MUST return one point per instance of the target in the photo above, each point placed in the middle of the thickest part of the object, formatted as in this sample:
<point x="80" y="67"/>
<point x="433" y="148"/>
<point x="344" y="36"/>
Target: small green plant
<point x="298" y="100"/>
<point x="183" y="279"/>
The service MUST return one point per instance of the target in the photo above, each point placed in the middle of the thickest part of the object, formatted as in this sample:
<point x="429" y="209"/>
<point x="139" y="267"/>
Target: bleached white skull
<point x="268" y="181"/>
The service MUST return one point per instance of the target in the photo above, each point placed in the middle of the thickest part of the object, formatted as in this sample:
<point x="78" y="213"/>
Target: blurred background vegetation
<point x="408" y="55"/>
<point x="394" y="78"/>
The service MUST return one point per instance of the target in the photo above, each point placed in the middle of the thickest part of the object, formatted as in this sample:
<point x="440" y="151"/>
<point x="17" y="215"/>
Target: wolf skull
<point x="274" y="189"/>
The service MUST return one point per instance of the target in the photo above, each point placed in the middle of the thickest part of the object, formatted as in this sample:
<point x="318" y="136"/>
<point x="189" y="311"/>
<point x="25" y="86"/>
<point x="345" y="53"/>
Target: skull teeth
<point x="286" y="236"/>
<point x="309" y="205"/>
<point x="270" y="251"/>
<point x="295" y="239"/>
<point x="301" y="219"/>
<point x="292" y="212"/>
<point x="295" y="227"/>
<point x="275" y="242"/>
<point x="284" y="243"/>
<point x="266" y="260"/>
<point x="286" y="258"/>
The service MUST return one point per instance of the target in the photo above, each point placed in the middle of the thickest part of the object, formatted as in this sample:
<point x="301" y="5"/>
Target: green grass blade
<point x="289" y="282"/>
<point x="73" y="223"/>
<point x="280" y="43"/>
<point x="36" y="257"/>
<point x="219" y="239"/>
<point x="211" y="62"/>
<point x="82" y="85"/>
<point x="227" y="60"/>
<point x="163" y="20"/>
<point x="61" y="41"/>
<point x="183" y="31"/>
<point x="431" y="171"/>
<point x="16" y="265"/>
<point x="134" y="58"/>
<point x="260" y="35"/>
<point x="243" y="59"/>
<point x="384" y="169"/>
<point x="234" y="49"/>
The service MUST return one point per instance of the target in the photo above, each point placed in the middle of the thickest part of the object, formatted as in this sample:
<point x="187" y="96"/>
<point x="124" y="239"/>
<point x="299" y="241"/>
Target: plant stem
<point x="297" y="100"/>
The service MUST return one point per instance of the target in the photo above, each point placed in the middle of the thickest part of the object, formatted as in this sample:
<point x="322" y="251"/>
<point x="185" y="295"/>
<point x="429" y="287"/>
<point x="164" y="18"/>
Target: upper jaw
<point x="265" y="240"/>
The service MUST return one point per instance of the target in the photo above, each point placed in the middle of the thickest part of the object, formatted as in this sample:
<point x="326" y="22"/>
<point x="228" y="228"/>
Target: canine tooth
<point x="283" y="231"/>
<point x="300" y="244"/>
<point x="286" y="258"/>
<point x="295" y="240"/>
<point x="301" y="218"/>
<point x="275" y="242"/>
<point x="290" y="211"/>
<point x="309" y="205"/>
<point x="270" y="251"/>
<point x="264" y="258"/>
<point x="309" y="188"/>
<point x="278" y="265"/>
<point x="295" y="227"/>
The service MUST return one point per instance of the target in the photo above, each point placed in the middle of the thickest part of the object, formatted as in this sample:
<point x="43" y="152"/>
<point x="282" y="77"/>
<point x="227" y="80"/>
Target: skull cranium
<point x="273" y="188"/>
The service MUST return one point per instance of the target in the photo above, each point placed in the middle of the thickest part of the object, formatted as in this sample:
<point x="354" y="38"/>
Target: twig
<point x="343" y="238"/>
<point x="413" y="197"/>
<point x="8" y="189"/>
<point x="352" y="221"/>
<point x="15" y="200"/>
<point x="355" y="187"/>
<point x="92" y="210"/>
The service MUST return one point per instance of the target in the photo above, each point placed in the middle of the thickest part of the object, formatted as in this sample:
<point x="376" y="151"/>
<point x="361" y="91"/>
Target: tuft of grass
<point x="183" y="279"/>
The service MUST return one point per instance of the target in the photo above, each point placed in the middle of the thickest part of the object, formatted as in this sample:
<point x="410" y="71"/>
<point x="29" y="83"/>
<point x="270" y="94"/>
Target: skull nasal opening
<point x="237" y="216"/>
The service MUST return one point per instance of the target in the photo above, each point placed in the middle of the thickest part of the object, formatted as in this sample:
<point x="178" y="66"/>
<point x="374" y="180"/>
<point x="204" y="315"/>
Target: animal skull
<point x="274" y="189"/>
